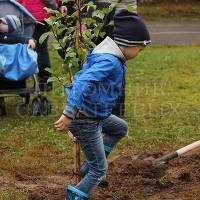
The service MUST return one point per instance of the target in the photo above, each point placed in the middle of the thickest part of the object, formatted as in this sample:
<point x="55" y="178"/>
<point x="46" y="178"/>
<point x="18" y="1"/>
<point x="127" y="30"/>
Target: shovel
<point x="175" y="154"/>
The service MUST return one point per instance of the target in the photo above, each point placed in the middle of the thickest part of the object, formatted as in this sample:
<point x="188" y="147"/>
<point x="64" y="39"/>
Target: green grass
<point x="12" y="194"/>
<point x="162" y="97"/>
<point x="170" y="10"/>
<point x="196" y="196"/>
<point x="162" y="110"/>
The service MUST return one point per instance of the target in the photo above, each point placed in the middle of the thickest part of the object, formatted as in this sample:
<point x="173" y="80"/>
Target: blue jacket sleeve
<point x="84" y="84"/>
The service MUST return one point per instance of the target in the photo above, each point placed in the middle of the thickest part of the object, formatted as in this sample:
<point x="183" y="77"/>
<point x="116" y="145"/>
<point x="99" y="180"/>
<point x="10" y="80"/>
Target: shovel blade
<point x="163" y="159"/>
<point x="155" y="160"/>
<point x="150" y="158"/>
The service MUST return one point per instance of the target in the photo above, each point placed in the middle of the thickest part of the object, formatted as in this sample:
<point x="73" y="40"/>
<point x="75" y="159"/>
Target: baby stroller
<point x="40" y="104"/>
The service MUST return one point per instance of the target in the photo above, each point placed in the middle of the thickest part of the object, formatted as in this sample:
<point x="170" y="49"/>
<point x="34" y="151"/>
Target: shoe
<point x="103" y="183"/>
<point x="75" y="194"/>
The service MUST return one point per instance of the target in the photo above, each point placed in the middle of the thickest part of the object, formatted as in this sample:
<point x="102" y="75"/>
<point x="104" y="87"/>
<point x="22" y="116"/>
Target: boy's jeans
<point x="89" y="134"/>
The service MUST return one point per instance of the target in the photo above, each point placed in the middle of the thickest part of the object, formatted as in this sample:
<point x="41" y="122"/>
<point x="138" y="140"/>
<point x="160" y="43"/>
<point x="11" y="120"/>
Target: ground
<point x="130" y="178"/>
<point x="162" y="111"/>
<point x="170" y="10"/>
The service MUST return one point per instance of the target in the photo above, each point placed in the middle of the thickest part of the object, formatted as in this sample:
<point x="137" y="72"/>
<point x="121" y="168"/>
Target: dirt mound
<point x="130" y="177"/>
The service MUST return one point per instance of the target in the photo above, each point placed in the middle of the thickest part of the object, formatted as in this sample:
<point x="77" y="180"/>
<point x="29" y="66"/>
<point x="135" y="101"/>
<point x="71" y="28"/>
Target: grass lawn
<point x="170" y="10"/>
<point x="162" y="110"/>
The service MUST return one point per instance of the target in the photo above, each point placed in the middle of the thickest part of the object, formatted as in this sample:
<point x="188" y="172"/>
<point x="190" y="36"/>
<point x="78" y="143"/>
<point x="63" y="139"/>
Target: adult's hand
<point x="63" y="9"/>
<point x="31" y="44"/>
<point x="63" y="123"/>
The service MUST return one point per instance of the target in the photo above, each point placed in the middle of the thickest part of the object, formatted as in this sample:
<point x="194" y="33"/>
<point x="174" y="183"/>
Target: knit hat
<point x="12" y="21"/>
<point x="130" y="30"/>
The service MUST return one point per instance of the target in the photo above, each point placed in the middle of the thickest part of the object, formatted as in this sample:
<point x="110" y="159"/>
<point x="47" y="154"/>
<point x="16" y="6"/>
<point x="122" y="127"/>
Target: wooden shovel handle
<point x="189" y="147"/>
<point x="77" y="161"/>
<point x="77" y="165"/>
<point x="178" y="152"/>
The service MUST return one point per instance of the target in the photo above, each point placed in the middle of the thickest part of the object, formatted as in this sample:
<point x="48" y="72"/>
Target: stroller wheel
<point x="2" y="106"/>
<point x="36" y="106"/>
<point x="45" y="106"/>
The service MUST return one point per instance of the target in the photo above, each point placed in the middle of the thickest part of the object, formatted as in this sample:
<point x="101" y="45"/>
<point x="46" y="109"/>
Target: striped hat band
<point x="13" y="23"/>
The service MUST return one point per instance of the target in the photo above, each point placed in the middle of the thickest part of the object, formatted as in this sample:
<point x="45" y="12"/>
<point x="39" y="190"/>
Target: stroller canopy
<point x="11" y="7"/>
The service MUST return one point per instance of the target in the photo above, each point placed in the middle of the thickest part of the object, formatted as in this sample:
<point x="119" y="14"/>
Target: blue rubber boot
<point x="75" y="194"/>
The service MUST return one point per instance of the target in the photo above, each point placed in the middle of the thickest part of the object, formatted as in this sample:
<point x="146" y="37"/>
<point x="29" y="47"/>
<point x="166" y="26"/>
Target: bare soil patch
<point x="130" y="177"/>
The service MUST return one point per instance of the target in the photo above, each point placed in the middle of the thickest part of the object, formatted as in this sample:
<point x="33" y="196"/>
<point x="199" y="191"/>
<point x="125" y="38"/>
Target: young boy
<point x="92" y="96"/>
<point x="10" y="32"/>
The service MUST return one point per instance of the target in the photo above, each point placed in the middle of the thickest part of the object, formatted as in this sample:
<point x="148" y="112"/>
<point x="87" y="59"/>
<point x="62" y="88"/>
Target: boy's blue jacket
<point x="96" y="88"/>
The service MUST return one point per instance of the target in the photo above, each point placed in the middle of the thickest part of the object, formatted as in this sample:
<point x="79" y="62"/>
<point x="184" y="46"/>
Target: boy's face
<point x="131" y="52"/>
<point x="3" y="27"/>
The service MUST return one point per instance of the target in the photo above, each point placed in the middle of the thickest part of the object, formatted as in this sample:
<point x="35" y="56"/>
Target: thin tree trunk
<point x="77" y="159"/>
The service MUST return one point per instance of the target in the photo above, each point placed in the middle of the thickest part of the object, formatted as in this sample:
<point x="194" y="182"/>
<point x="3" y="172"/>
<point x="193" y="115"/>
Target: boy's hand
<point x="31" y="44"/>
<point x="63" y="9"/>
<point x="63" y="123"/>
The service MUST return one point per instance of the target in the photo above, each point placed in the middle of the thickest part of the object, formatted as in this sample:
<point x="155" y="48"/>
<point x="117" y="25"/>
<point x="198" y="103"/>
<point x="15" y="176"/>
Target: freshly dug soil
<point x="130" y="177"/>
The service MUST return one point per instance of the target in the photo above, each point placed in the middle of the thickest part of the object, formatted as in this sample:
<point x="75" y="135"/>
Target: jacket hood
<point x="110" y="47"/>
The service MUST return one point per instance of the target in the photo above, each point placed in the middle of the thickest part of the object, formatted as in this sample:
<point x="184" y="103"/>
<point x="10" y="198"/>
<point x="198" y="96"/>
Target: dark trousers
<point x="42" y="50"/>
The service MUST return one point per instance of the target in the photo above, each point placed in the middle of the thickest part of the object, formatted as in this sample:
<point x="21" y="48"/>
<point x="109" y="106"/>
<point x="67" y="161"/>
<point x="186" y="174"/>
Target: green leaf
<point x="49" y="21"/>
<point x="102" y="34"/>
<point x="129" y="8"/>
<point x="49" y="70"/>
<point x="62" y="43"/>
<point x="44" y="37"/>
<point x="59" y="31"/>
<point x="51" y="11"/>
<point x="52" y="79"/>
<point x="67" y="1"/>
<point x="71" y="54"/>
<point x="88" y="33"/>
<point x="99" y="14"/>
<point x="96" y="32"/>
<point x="60" y="15"/>
<point x="87" y="21"/>
<point x="71" y="29"/>
<point x="56" y="46"/>
<point x="106" y="10"/>
<point x="75" y="14"/>
<point x="80" y="54"/>
<point x="91" y="4"/>
<point x="97" y="29"/>
<point x="111" y="23"/>
<point x="112" y="6"/>
<point x="66" y="39"/>
<point x="53" y="19"/>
